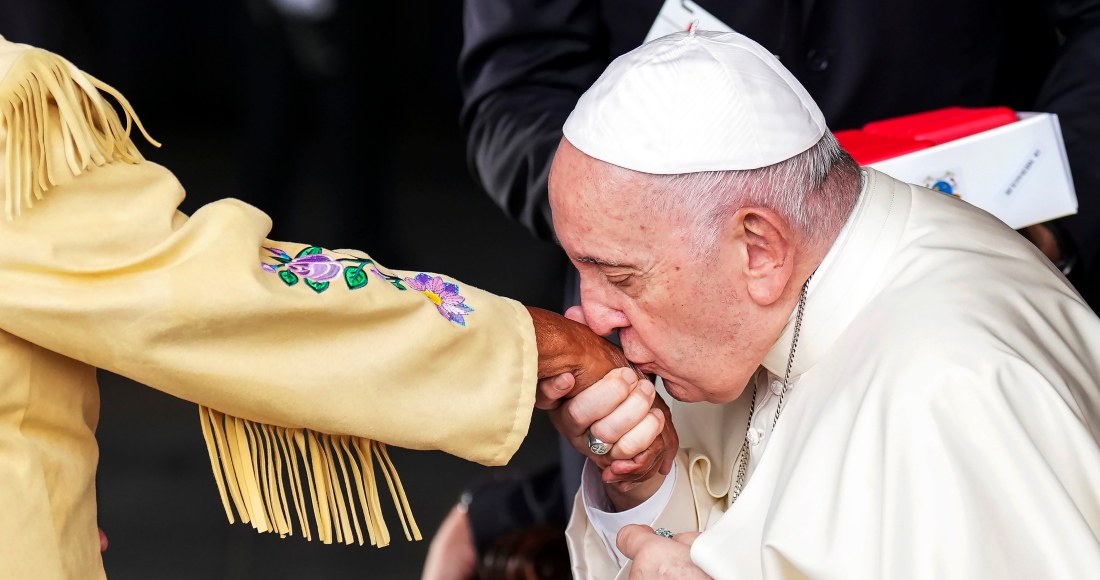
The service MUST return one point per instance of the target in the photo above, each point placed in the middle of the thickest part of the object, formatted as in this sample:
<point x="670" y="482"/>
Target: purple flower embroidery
<point x="444" y="295"/>
<point x="317" y="267"/>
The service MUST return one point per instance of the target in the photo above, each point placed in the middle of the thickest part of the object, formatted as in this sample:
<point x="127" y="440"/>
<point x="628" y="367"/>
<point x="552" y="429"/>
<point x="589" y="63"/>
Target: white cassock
<point x="942" y="422"/>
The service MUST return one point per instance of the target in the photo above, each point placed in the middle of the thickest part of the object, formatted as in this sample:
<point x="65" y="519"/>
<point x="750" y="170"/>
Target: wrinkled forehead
<point x="577" y="179"/>
<point x="600" y="210"/>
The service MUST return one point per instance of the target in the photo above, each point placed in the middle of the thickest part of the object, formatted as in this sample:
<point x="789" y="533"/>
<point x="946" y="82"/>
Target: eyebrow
<point x="599" y="262"/>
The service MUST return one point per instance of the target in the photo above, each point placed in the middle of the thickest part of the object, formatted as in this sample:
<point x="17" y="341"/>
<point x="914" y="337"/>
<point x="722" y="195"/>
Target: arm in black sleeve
<point x="1072" y="90"/>
<point x="523" y="66"/>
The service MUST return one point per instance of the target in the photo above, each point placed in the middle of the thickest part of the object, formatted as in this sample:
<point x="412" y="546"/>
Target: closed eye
<point x="619" y="279"/>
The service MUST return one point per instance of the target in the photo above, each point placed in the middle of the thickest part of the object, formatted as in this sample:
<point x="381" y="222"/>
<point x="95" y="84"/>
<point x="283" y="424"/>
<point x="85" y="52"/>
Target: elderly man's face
<point x="681" y="315"/>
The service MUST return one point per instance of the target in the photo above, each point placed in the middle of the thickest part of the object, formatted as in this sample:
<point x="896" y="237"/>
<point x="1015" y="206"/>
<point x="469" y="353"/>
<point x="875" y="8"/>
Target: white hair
<point x="814" y="190"/>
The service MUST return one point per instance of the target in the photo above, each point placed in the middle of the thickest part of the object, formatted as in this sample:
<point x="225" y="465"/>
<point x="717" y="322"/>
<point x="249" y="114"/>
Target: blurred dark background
<point x="339" y="119"/>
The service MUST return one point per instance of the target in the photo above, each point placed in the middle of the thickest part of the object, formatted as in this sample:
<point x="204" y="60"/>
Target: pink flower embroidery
<point x="444" y="295"/>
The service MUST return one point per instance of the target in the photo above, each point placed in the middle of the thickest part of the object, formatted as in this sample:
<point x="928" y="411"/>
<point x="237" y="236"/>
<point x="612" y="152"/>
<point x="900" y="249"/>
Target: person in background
<point x="525" y="63"/>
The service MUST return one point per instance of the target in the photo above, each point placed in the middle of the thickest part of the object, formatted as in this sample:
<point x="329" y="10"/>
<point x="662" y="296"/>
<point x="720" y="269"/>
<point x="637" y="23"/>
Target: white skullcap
<point x="699" y="101"/>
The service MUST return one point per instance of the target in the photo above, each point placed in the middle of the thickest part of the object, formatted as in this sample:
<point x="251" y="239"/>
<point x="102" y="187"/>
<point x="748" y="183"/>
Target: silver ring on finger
<point x="596" y="445"/>
<point x="664" y="533"/>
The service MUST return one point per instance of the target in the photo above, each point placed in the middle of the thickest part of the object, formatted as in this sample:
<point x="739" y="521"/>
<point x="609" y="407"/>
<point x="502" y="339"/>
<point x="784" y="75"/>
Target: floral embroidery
<point x="444" y="295"/>
<point x="318" y="270"/>
<point x="396" y="281"/>
<point x="315" y="268"/>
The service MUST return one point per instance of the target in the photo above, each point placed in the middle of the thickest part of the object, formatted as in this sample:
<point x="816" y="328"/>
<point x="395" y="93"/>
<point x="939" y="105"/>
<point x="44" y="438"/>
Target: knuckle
<point x="567" y="427"/>
<point x="628" y="447"/>
<point x="613" y="425"/>
<point x="621" y="387"/>
<point x="573" y="414"/>
<point x="637" y="440"/>
<point x="631" y="412"/>
<point x="639" y="397"/>
<point x="659" y="428"/>
<point x="644" y="459"/>
<point x="601" y="430"/>
<point x="625" y="536"/>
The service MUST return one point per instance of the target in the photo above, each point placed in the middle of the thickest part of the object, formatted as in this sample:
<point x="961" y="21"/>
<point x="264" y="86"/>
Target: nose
<point x="602" y="315"/>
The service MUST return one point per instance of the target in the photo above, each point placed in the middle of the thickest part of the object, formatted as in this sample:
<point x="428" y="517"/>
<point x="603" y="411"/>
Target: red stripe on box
<point x="866" y="148"/>
<point x="942" y="125"/>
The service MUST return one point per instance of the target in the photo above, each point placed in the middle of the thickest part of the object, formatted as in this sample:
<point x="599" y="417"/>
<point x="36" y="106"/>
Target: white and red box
<point x="1012" y="165"/>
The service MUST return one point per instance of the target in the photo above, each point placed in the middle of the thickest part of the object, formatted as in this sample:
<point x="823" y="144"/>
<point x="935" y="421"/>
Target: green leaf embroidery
<point x="309" y="251"/>
<point x="390" y="278"/>
<point x="289" y="277"/>
<point x="318" y="287"/>
<point x="355" y="277"/>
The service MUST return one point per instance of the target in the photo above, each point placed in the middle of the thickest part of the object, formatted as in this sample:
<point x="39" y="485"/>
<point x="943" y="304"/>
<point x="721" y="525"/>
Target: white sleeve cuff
<point x="606" y="521"/>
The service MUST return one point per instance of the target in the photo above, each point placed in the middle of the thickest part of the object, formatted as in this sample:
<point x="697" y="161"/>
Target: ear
<point x="768" y="252"/>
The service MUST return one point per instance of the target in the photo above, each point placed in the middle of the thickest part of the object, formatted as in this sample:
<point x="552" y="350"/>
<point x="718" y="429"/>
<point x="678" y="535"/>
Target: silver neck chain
<point x="746" y="446"/>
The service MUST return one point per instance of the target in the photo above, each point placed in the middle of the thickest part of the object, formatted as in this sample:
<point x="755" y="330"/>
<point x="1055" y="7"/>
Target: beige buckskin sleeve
<point x="303" y="360"/>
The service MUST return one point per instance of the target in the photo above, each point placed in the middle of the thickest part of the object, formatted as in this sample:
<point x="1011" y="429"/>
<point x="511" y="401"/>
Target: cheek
<point x="674" y="324"/>
<point x="694" y="334"/>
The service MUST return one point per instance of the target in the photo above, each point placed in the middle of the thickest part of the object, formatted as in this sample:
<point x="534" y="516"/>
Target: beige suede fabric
<point x="303" y="360"/>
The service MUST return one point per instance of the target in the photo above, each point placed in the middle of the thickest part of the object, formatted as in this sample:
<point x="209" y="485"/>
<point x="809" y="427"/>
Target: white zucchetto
<point x="695" y="101"/>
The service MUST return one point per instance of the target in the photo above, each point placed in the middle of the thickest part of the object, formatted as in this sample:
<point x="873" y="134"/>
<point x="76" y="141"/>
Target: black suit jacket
<point x="525" y="63"/>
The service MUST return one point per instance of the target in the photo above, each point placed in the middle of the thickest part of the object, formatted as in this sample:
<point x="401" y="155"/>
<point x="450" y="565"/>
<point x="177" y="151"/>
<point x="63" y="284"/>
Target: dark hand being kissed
<point x="625" y="411"/>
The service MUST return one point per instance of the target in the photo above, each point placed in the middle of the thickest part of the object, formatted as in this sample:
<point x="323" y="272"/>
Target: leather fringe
<point x="90" y="129"/>
<point x="255" y="464"/>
